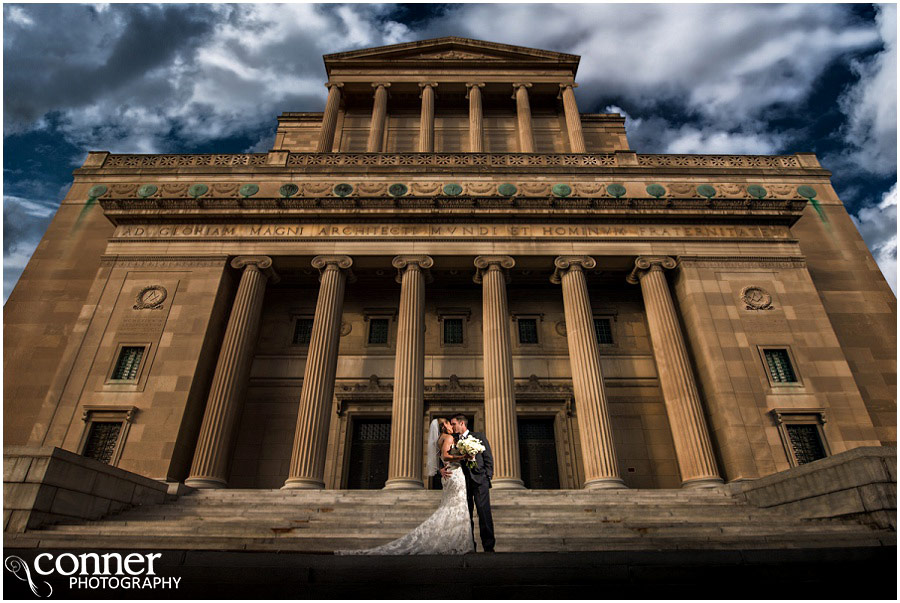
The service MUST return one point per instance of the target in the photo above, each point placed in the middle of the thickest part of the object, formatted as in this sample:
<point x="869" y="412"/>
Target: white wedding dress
<point x="447" y="532"/>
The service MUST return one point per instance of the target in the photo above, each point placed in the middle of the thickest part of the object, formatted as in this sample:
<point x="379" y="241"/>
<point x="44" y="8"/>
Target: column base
<point x="605" y="483"/>
<point x="403" y="483"/>
<point x="703" y="482"/>
<point x="303" y="483"/>
<point x="507" y="483"/>
<point x="205" y="482"/>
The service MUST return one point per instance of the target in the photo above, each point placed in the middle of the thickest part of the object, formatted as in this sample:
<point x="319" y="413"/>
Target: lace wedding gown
<point x="447" y="531"/>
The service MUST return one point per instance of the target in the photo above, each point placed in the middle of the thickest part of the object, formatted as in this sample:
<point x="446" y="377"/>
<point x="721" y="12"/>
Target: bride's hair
<point x="441" y="422"/>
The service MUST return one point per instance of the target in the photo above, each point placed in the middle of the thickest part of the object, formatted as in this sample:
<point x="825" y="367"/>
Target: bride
<point x="448" y="530"/>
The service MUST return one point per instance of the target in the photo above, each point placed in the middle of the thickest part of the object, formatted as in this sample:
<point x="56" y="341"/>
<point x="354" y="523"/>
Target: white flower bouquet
<point x="470" y="446"/>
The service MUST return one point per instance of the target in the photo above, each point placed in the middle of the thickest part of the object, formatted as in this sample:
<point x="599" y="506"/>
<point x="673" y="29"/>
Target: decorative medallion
<point x="146" y="190"/>
<point x="225" y="189"/>
<point x="807" y="192"/>
<point x="123" y="190"/>
<point x="174" y="189"/>
<point x="372" y="188"/>
<point x="616" y="190"/>
<point x="535" y="189"/>
<point x="342" y="190"/>
<point x="288" y="189"/>
<point x="561" y="328"/>
<point x="589" y="189"/>
<point x="346" y="327"/>
<point x="316" y="189"/>
<point x="682" y="189"/>
<point x="706" y="190"/>
<point x="98" y="190"/>
<point x="248" y="190"/>
<point x="562" y="190"/>
<point x="756" y="298"/>
<point x="452" y="189"/>
<point x="507" y="190"/>
<point x="782" y="190"/>
<point x="480" y="188"/>
<point x="428" y="189"/>
<point x="757" y="191"/>
<point x="732" y="190"/>
<point x="151" y="298"/>
<point x="656" y="190"/>
<point x="397" y="190"/>
<point x="196" y="190"/>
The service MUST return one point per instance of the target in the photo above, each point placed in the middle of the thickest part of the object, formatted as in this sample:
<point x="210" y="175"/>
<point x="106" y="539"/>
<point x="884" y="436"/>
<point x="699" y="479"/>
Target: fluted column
<point x="408" y="408"/>
<point x="573" y="118"/>
<point x="476" y="118"/>
<point x="523" y="112"/>
<point x="500" y="425"/>
<point x="597" y="445"/>
<point x="223" y="406"/>
<point x="693" y="446"/>
<point x="329" y="118"/>
<point x="307" y="470"/>
<point x="426" y="121"/>
<point x="379" y="115"/>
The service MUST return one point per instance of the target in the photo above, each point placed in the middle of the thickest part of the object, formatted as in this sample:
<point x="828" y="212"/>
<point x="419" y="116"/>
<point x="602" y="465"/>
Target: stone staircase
<point x="529" y="521"/>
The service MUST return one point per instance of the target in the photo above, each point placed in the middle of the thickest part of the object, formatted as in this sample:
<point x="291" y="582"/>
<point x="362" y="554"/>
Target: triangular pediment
<point x="451" y="50"/>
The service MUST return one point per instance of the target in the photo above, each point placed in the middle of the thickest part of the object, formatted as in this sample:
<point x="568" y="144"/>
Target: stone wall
<point x="860" y="484"/>
<point x="46" y="485"/>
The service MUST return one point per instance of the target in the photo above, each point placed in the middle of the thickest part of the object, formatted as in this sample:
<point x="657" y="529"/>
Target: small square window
<point x="378" y="330"/>
<point x="528" y="331"/>
<point x="127" y="365"/>
<point x="778" y="361"/>
<point x="302" y="331"/>
<point x="603" y="329"/>
<point x="102" y="440"/>
<point x="453" y="330"/>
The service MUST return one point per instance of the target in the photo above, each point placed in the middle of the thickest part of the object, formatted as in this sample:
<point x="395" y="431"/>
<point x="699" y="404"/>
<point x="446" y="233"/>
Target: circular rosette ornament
<point x="656" y="190"/>
<point x="452" y="189"/>
<point x="397" y="190"/>
<point x="248" y="190"/>
<point x="756" y="191"/>
<point x="145" y="190"/>
<point x="342" y="190"/>
<point x="706" y="190"/>
<point x="98" y="190"/>
<point x="561" y="190"/>
<point x="807" y="192"/>
<point x="197" y="190"/>
<point x="288" y="189"/>
<point x="507" y="190"/>
<point x="616" y="190"/>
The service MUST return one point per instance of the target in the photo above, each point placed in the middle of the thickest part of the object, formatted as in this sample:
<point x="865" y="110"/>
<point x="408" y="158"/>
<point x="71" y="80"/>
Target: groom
<point x="478" y="483"/>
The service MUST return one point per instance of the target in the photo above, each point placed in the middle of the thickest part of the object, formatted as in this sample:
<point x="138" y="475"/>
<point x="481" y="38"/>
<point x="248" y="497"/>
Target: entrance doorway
<point x="537" y="454"/>
<point x="369" y="454"/>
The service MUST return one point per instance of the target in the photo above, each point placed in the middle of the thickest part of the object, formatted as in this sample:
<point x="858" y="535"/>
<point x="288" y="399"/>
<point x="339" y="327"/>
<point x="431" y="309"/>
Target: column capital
<point x="421" y="262"/>
<point x="470" y="85"/>
<point x="262" y="263"/>
<point x="563" y="87"/>
<point x="564" y="263"/>
<point x="331" y="85"/>
<point x="483" y="263"/>
<point x="645" y="263"/>
<point x="517" y="85"/>
<point x="340" y="262"/>
<point x="568" y="85"/>
<point x="428" y="84"/>
<point x="382" y="84"/>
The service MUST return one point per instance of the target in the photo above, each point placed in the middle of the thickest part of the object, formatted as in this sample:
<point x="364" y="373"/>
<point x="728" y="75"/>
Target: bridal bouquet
<point x="470" y="446"/>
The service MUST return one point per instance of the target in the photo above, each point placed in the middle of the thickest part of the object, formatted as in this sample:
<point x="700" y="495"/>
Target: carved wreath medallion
<point x="151" y="298"/>
<point x="756" y="298"/>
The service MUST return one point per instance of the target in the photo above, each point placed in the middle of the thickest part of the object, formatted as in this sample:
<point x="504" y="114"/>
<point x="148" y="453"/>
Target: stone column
<point x="329" y="118"/>
<point x="307" y="470"/>
<point x="573" y="118"/>
<point x="408" y="409"/>
<point x="500" y="425"/>
<point x="693" y="446"/>
<point x="426" y="122"/>
<point x="476" y="118"/>
<point x="523" y="112"/>
<point x="379" y="115"/>
<point x="597" y="445"/>
<point x="223" y="406"/>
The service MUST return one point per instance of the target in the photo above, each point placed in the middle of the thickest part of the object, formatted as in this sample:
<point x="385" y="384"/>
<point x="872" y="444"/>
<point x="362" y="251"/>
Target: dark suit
<point x="478" y="484"/>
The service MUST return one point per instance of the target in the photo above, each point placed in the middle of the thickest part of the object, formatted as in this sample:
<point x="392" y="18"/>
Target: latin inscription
<point x="315" y="231"/>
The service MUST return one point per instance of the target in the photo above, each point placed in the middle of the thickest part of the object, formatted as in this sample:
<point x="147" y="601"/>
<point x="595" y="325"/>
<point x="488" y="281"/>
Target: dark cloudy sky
<point x="703" y="78"/>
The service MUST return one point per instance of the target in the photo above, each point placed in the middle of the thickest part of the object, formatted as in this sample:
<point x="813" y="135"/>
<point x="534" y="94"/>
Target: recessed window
<point x="102" y="439"/>
<point x="302" y="331"/>
<point x="806" y="443"/>
<point x="778" y="361"/>
<point x="378" y="330"/>
<point x="453" y="330"/>
<point x="603" y="329"/>
<point x="128" y="363"/>
<point x="528" y="331"/>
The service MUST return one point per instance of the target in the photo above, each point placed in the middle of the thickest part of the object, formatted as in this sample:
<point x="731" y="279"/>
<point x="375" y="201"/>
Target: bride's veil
<point x="431" y="459"/>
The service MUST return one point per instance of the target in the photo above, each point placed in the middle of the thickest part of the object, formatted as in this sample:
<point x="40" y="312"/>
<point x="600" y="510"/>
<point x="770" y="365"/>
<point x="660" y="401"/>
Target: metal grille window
<point x="453" y="330"/>
<point x="378" y="330"/>
<point x="101" y="440"/>
<point x="806" y="443"/>
<point x="603" y="329"/>
<point x="302" y="331"/>
<point x="528" y="332"/>
<point x="779" y="363"/>
<point x="126" y="368"/>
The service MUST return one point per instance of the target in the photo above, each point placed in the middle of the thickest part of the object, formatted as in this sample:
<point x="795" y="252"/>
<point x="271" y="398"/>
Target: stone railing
<point x="285" y="159"/>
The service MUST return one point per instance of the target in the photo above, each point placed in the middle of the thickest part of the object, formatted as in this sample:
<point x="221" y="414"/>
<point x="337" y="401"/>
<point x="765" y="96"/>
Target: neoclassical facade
<point x="451" y="235"/>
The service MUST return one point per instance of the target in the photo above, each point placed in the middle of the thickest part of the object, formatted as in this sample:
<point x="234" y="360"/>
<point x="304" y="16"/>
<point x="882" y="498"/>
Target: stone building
<point x="451" y="235"/>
